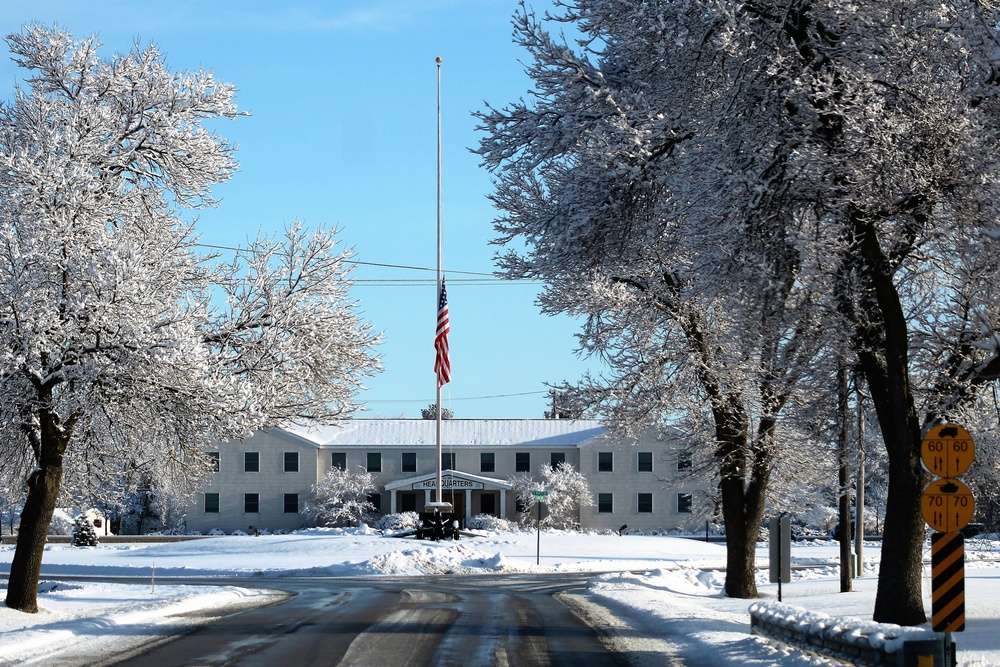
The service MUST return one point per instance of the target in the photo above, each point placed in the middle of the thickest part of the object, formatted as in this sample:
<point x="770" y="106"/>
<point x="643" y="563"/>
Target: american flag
<point x="442" y="364"/>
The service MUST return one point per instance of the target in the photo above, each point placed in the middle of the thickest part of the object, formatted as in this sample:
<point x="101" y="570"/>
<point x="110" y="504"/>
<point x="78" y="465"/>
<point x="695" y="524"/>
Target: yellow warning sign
<point x="947" y="505"/>
<point x="947" y="450"/>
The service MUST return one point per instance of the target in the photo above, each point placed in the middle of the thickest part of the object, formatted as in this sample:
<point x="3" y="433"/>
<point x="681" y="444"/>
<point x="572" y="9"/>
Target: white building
<point x="264" y="480"/>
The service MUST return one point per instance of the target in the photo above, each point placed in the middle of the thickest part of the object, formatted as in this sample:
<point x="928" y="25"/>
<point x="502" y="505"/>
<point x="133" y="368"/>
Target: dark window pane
<point x="213" y="461"/>
<point x="522" y="462"/>
<point x="374" y="462"/>
<point x="645" y="503"/>
<point x="487" y="462"/>
<point x="376" y="500"/>
<point x="448" y="461"/>
<point x="605" y="503"/>
<point x="488" y="503"/>
<point x="556" y="458"/>
<point x="339" y="460"/>
<point x="251" y="503"/>
<point x="645" y="461"/>
<point x="407" y="502"/>
<point x="683" y="503"/>
<point x="683" y="460"/>
<point x="291" y="503"/>
<point x="251" y="462"/>
<point x="605" y="462"/>
<point x="409" y="462"/>
<point x="291" y="461"/>
<point x="211" y="503"/>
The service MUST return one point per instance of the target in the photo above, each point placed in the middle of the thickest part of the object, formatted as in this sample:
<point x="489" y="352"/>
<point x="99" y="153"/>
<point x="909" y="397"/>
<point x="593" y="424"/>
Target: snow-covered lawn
<point x="676" y="595"/>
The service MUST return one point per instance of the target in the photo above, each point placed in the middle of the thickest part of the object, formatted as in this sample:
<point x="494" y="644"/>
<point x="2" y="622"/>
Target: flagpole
<point x="440" y="505"/>
<point x="440" y="498"/>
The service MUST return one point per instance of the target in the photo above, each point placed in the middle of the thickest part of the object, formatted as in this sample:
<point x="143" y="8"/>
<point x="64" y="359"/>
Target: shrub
<point x="394" y="522"/>
<point x="491" y="523"/>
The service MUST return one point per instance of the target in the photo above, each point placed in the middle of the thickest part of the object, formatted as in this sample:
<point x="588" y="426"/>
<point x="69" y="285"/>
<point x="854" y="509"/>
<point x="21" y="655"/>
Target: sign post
<point x="947" y="506"/>
<point x="540" y="496"/>
<point x="780" y="550"/>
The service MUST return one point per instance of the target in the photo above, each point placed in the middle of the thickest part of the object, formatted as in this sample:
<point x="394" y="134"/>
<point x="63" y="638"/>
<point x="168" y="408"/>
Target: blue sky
<point x="344" y="132"/>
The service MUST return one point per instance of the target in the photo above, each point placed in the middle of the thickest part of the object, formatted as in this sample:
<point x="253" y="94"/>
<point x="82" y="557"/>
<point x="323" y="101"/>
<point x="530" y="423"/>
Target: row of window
<point x="251" y="503"/>
<point x="487" y="461"/>
<point x="605" y="503"/>
<point x="644" y="503"/>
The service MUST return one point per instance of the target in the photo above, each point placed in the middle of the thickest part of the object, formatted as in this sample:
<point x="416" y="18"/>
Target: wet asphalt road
<point x="472" y="621"/>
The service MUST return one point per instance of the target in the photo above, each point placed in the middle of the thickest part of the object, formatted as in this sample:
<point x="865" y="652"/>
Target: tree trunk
<point x="43" y="492"/>
<point x="742" y="490"/>
<point x="844" y="482"/>
<point x="884" y="358"/>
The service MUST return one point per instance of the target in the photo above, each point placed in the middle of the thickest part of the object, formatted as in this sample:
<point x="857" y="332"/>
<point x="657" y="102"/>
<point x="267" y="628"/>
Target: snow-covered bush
<point x="394" y="522"/>
<point x="341" y="497"/>
<point x="84" y="534"/>
<point x="491" y="523"/>
<point x="62" y="523"/>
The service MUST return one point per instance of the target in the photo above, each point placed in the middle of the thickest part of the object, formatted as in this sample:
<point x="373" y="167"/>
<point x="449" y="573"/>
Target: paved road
<point x="473" y="621"/>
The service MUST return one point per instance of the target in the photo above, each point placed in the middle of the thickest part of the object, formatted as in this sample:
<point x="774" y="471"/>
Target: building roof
<point x="454" y="432"/>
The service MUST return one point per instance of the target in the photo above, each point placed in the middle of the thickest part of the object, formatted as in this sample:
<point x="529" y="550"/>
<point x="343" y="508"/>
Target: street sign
<point x="540" y="495"/>
<point x="947" y="504"/>
<point x="947" y="450"/>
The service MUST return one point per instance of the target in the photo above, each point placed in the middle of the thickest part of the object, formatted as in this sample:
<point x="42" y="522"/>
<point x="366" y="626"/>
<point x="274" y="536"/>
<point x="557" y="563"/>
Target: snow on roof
<point x="483" y="432"/>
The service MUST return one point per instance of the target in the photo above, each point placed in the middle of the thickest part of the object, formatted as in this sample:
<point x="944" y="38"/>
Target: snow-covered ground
<point x="677" y="596"/>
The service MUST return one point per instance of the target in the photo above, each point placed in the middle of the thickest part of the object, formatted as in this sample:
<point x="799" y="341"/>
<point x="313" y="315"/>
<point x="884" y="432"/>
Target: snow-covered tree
<point x="825" y="166"/>
<point x="568" y="493"/>
<point x="523" y="486"/>
<point x="341" y="497"/>
<point x="579" y="176"/>
<point x="122" y="341"/>
<point x="84" y="534"/>
<point x="11" y="502"/>
<point x="431" y="412"/>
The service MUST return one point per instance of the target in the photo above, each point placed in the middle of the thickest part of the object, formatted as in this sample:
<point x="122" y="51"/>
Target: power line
<point x="467" y="398"/>
<point x="359" y="263"/>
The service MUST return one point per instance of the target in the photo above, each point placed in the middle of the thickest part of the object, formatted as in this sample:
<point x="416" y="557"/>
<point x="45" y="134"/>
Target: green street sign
<point x="540" y="495"/>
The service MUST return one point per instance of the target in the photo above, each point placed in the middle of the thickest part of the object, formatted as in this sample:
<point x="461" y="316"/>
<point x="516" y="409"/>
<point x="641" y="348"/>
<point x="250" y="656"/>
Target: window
<point x="291" y="503"/>
<point x="487" y="462"/>
<point x="213" y="461"/>
<point x="684" y="460"/>
<point x="376" y="500"/>
<point x="338" y="460"/>
<point x="408" y="462"/>
<point x="605" y="503"/>
<point x="645" y="462"/>
<point x="556" y="458"/>
<point x="448" y="461"/>
<point x="374" y="461"/>
<point x="291" y="461"/>
<point x="251" y="503"/>
<point x="522" y="462"/>
<point x="487" y="504"/>
<point x="605" y="462"/>
<point x="683" y="503"/>
<point x="211" y="503"/>
<point x="251" y="462"/>
<point x="408" y="502"/>
<point x="645" y="503"/>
